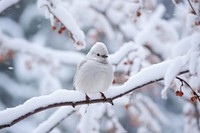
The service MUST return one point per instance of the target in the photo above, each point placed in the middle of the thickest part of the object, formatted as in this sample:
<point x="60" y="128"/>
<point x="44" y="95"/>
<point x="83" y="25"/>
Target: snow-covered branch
<point x="4" y="4"/>
<point x="74" y="98"/>
<point x="126" y="49"/>
<point x="23" y="46"/>
<point x="9" y="84"/>
<point x="54" y="120"/>
<point x="56" y="12"/>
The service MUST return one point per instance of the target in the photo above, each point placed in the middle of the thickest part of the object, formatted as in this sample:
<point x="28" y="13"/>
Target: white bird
<point x="94" y="74"/>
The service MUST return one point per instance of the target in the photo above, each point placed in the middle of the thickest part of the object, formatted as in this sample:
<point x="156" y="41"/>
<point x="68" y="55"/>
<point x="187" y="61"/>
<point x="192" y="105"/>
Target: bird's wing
<point x="81" y="64"/>
<point x="78" y="68"/>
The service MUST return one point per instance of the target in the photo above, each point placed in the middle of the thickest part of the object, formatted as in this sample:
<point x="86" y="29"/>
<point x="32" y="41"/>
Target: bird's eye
<point x="98" y="54"/>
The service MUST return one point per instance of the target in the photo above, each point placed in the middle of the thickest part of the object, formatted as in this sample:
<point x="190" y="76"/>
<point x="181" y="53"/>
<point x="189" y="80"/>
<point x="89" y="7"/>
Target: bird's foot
<point x="87" y="98"/>
<point x="103" y="96"/>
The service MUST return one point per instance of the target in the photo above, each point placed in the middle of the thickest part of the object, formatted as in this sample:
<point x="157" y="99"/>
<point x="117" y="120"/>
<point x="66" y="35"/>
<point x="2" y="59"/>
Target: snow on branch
<point x="57" y="13"/>
<point x="189" y="60"/>
<point x="54" y="120"/>
<point x="193" y="10"/>
<point x="5" y="4"/>
<point x="7" y="84"/>
<point x="23" y="46"/>
<point x="126" y="49"/>
<point x="143" y="36"/>
<point x="73" y="98"/>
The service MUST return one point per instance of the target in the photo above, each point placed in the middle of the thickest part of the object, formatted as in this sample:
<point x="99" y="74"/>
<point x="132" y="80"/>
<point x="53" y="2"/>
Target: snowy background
<point x="43" y="41"/>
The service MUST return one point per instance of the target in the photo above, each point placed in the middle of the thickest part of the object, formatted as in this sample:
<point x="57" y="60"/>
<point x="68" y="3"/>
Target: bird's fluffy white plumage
<point x="94" y="74"/>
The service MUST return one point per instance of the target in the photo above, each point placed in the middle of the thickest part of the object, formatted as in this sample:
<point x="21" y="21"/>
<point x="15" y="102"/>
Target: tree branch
<point x="5" y="4"/>
<point x="21" y="45"/>
<point x="54" y="120"/>
<point x="194" y="93"/>
<point x="74" y="98"/>
<point x="193" y="11"/>
<point x="66" y="21"/>
<point x="61" y="121"/>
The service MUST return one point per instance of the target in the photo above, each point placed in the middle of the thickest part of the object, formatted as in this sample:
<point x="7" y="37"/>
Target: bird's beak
<point x="104" y="56"/>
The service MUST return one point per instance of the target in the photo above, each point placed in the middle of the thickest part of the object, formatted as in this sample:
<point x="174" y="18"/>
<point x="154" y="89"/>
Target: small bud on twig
<point x="125" y="63"/>
<point x="126" y="106"/>
<point x="138" y="13"/>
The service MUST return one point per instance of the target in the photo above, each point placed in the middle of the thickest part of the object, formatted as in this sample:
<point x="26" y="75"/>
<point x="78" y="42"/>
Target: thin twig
<point x="70" y="34"/>
<point x="183" y="81"/>
<point x="61" y="121"/>
<point x="193" y="11"/>
<point x="181" y="86"/>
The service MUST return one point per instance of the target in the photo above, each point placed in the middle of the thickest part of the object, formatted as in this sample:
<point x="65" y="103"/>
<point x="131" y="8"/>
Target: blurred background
<point x="35" y="60"/>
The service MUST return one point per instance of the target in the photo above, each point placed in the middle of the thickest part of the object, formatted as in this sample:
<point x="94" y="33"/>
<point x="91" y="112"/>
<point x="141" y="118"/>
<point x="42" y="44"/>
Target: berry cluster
<point x="62" y="27"/>
<point x="129" y="62"/>
<point x="194" y="98"/>
<point x="6" y="56"/>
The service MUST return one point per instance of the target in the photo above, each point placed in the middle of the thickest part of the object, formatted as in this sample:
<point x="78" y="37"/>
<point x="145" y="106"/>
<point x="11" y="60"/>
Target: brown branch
<point x="193" y="11"/>
<point x="194" y="93"/>
<point x="153" y="51"/>
<point x="73" y="104"/>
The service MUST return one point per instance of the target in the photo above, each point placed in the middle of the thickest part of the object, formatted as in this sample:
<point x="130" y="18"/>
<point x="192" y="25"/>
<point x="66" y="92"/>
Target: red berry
<point x="179" y="93"/>
<point x="53" y="27"/>
<point x="63" y="28"/>
<point x="194" y="98"/>
<point x="60" y="31"/>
